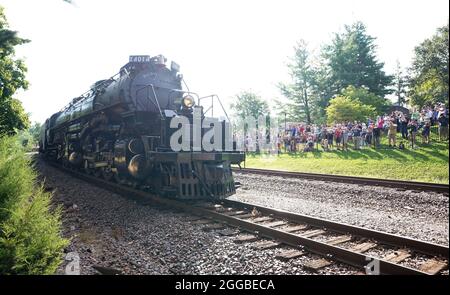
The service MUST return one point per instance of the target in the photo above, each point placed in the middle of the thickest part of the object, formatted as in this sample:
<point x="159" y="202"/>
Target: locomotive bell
<point x="160" y="60"/>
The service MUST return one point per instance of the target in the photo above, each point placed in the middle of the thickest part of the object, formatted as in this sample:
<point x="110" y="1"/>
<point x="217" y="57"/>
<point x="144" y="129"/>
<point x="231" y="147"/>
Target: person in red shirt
<point x="302" y="129"/>
<point x="380" y="123"/>
<point x="337" y="136"/>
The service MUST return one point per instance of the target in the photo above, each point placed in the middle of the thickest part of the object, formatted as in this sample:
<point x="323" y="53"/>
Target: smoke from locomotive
<point x="120" y="130"/>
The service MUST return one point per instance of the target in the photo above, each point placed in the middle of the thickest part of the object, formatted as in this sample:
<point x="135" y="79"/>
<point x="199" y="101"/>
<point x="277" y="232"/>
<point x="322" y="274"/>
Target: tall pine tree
<point x="351" y="59"/>
<point x="299" y="91"/>
<point x="400" y="84"/>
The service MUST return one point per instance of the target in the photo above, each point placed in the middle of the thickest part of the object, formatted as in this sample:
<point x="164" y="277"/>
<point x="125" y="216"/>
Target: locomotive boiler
<point x="123" y="130"/>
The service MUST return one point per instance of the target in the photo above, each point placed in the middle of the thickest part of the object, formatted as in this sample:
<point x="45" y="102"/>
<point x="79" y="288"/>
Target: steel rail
<point x="355" y="259"/>
<point x="407" y="185"/>
<point x="349" y="257"/>
<point x="383" y="237"/>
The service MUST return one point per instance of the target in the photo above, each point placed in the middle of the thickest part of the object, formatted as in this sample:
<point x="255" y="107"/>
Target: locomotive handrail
<point x="142" y="88"/>
<point x="154" y="94"/>
<point x="157" y="101"/>
<point x="185" y="85"/>
<point x="212" y="104"/>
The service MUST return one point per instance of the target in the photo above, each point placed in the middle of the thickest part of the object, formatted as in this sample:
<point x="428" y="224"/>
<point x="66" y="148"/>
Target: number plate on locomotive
<point x="140" y="58"/>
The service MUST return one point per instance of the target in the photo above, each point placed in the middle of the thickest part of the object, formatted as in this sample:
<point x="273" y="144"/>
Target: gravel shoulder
<point x="419" y="215"/>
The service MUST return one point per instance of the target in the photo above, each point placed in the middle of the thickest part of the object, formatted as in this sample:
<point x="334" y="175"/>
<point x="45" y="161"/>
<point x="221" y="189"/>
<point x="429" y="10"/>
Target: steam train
<point x="120" y="130"/>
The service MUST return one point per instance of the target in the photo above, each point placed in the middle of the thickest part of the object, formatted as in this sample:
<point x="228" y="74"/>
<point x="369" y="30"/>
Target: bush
<point x="343" y="109"/>
<point x="30" y="238"/>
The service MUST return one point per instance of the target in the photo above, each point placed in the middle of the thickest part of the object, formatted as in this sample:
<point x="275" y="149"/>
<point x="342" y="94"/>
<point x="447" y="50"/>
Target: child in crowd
<point x="309" y="147"/>
<point x="324" y="144"/>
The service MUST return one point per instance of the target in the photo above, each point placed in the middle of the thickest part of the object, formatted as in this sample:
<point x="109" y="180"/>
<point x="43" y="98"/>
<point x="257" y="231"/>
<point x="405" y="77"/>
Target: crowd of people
<point x="357" y="135"/>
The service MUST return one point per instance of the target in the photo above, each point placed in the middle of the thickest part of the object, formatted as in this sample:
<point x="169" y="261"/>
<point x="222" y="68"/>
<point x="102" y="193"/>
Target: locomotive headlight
<point x="188" y="101"/>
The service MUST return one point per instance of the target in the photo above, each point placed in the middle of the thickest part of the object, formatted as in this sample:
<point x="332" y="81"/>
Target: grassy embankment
<point x="427" y="163"/>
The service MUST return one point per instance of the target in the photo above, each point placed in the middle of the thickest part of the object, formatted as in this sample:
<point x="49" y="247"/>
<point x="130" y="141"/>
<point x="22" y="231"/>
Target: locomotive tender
<point x="120" y="130"/>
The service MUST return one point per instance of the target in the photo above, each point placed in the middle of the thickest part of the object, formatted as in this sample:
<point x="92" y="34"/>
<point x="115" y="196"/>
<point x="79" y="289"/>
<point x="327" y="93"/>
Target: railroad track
<point x="403" y="185"/>
<point x="269" y="228"/>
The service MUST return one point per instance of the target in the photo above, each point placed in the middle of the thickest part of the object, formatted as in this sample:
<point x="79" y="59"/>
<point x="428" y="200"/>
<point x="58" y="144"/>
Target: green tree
<point x="429" y="71"/>
<point x="29" y="138"/>
<point x="322" y="91"/>
<point x="400" y="84"/>
<point x="249" y="104"/>
<point x="299" y="92"/>
<point x="343" y="109"/>
<point x="379" y="104"/>
<point x="351" y="59"/>
<point x="35" y="131"/>
<point x="12" y="78"/>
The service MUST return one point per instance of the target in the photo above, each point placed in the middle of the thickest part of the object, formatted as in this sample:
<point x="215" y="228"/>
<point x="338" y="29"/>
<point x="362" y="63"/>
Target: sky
<point x="222" y="47"/>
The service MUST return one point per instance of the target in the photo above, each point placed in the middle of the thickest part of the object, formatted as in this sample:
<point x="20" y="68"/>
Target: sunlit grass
<point x="427" y="163"/>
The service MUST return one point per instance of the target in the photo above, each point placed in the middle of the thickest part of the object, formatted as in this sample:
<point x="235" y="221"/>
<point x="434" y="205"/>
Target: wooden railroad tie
<point x="244" y="216"/>
<point x="265" y="245"/>
<point x="397" y="256"/>
<point x="275" y="223"/>
<point x="213" y="226"/>
<point x="233" y="213"/>
<point x="433" y="266"/>
<point x="245" y="238"/>
<point x="316" y="264"/>
<point x="286" y="255"/>
<point x="312" y="233"/>
<point x="295" y="228"/>
<point x="364" y="247"/>
<point x="226" y="232"/>
<point x="262" y="219"/>
<point x="339" y="240"/>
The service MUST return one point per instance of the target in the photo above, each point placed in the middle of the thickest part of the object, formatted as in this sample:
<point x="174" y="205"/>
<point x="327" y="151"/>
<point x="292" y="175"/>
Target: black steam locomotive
<point x="120" y="130"/>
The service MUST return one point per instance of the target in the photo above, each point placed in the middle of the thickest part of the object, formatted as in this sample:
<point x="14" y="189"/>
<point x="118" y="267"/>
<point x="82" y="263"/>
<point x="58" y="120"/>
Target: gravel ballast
<point x="419" y="215"/>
